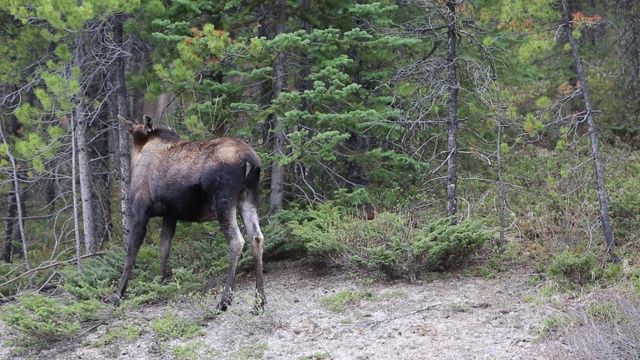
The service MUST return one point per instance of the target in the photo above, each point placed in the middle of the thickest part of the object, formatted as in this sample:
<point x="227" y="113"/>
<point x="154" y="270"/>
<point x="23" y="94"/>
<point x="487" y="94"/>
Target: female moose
<point x="193" y="181"/>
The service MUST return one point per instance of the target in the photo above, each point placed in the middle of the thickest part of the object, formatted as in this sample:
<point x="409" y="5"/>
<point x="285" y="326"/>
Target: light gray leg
<point x="229" y="226"/>
<point x="251" y="222"/>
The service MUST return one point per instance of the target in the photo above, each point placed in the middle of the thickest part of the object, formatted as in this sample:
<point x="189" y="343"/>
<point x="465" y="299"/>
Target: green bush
<point x="576" y="268"/>
<point x="624" y="206"/>
<point x="443" y="246"/>
<point x="100" y="277"/>
<point x="391" y="243"/>
<point x="42" y="320"/>
<point x="318" y="231"/>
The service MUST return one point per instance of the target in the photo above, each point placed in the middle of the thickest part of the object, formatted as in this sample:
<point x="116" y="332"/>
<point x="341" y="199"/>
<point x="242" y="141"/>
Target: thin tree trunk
<point x="277" y="172"/>
<point x="12" y="209"/>
<point x="593" y="137"/>
<point x="18" y="194"/>
<point x="101" y="177"/>
<point x="123" y="136"/>
<point x="452" y="121"/>
<point x="74" y="193"/>
<point x="84" y="174"/>
<point x="81" y="124"/>
<point x="501" y="196"/>
<point x="12" y="205"/>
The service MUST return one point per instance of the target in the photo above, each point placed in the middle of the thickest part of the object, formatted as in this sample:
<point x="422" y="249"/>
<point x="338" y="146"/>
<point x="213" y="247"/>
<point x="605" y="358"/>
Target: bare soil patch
<point x="453" y="317"/>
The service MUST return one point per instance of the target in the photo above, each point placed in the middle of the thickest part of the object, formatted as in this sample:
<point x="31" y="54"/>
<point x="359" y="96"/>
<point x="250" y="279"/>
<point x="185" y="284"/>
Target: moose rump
<point x="193" y="181"/>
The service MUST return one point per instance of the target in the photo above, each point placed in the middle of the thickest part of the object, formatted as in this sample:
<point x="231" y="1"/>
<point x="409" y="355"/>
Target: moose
<point x="192" y="181"/>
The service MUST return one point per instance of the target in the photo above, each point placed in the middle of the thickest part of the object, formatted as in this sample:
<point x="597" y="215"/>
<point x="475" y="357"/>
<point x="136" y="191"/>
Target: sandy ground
<point x="453" y="317"/>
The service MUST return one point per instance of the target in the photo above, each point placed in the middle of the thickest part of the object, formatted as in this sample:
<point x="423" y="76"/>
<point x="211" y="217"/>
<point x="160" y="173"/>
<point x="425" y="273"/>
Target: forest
<point x="397" y="137"/>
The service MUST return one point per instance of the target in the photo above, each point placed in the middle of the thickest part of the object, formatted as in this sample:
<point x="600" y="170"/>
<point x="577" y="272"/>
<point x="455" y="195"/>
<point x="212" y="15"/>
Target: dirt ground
<point x="452" y="317"/>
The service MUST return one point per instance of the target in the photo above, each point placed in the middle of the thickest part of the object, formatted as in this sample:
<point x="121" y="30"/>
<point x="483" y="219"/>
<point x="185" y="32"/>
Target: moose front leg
<point x="138" y="231"/>
<point x="168" y="230"/>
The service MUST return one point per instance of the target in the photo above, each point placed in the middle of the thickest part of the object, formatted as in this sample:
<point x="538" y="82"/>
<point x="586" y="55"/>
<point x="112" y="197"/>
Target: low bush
<point x="575" y="268"/>
<point x="393" y="244"/>
<point x="42" y="320"/>
<point x="100" y="277"/>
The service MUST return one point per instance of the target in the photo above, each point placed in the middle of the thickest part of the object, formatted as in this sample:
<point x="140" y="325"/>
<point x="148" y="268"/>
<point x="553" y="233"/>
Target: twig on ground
<point x="372" y="324"/>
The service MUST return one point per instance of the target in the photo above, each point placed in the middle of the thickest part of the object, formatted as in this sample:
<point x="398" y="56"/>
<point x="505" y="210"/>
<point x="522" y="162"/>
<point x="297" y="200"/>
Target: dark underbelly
<point x="186" y="206"/>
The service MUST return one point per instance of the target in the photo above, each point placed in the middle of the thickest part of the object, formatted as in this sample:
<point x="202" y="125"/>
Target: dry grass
<point x="607" y="329"/>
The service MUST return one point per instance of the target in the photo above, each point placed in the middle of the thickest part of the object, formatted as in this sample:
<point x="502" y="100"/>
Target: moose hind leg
<point x="250" y="218"/>
<point x="229" y="226"/>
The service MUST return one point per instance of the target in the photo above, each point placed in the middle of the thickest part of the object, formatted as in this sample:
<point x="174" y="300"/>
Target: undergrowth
<point x="392" y="244"/>
<point x="42" y="320"/>
<point x="607" y="329"/>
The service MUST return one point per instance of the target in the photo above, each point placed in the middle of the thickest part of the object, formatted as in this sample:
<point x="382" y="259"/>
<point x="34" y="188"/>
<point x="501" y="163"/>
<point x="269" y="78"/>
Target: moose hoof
<point x="222" y="307"/>
<point x="116" y="300"/>
<point x="258" y="307"/>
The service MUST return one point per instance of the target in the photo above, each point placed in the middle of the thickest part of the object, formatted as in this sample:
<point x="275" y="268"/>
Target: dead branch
<point x="43" y="267"/>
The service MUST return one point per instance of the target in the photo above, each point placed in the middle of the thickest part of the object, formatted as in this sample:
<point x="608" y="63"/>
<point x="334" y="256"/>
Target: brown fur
<point x="193" y="181"/>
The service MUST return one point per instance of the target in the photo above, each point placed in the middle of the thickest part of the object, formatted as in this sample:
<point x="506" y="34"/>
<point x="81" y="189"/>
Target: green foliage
<point x="128" y="333"/>
<point x="576" y="268"/>
<point x="98" y="279"/>
<point x="251" y="352"/>
<point x="318" y="356"/>
<point x="190" y="351"/>
<point x="200" y="248"/>
<point x="391" y="243"/>
<point x="553" y="326"/>
<point x="443" y="245"/>
<point x="338" y="303"/>
<point x="333" y="103"/>
<point x="608" y="312"/>
<point x="624" y="194"/>
<point x="317" y="231"/>
<point x="171" y="327"/>
<point x="101" y="275"/>
<point x="42" y="320"/>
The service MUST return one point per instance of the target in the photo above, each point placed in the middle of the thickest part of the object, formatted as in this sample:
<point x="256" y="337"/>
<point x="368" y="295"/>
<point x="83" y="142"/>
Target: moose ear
<point x="126" y="123"/>
<point x="148" y="126"/>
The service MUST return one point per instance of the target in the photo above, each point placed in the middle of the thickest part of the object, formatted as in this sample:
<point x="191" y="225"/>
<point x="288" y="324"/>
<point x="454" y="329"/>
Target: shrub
<point x="41" y="319"/>
<point x="100" y="277"/>
<point x="171" y="327"/>
<point x="391" y="243"/>
<point x="608" y="330"/>
<point x="443" y="245"/>
<point x="575" y="268"/>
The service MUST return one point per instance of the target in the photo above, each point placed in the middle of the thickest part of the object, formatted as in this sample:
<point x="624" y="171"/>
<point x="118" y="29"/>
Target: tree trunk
<point x="74" y="193"/>
<point x="501" y="195"/>
<point x="12" y="210"/>
<point x="277" y="172"/>
<point x="101" y="178"/>
<point x="593" y="137"/>
<point x="452" y="121"/>
<point x="123" y="136"/>
<point x="18" y="203"/>
<point x="84" y="172"/>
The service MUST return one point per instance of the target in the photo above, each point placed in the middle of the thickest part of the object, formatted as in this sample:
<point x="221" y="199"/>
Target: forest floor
<point x="314" y="314"/>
